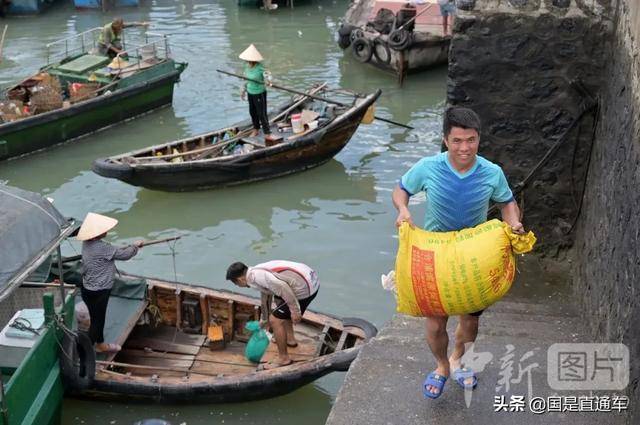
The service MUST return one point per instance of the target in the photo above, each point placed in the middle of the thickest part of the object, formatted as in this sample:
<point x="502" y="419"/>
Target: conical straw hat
<point x="95" y="225"/>
<point x="251" y="54"/>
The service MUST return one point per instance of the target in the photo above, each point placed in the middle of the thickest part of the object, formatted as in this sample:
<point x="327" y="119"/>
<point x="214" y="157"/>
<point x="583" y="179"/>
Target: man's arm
<point x="400" y="200"/>
<point x="135" y="24"/>
<point x="281" y="289"/>
<point x="511" y="215"/>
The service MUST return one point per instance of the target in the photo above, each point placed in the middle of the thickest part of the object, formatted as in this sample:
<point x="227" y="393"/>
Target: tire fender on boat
<point x="381" y="51"/>
<point x="344" y="35"/>
<point x="400" y="39"/>
<point x="362" y="50"/>
<point x="77" y="361"/>
<point x="369" y="329"/>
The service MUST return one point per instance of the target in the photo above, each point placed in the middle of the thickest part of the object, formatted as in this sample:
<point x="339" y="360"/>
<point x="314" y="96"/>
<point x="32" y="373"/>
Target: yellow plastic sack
<point x="451" y="273"/>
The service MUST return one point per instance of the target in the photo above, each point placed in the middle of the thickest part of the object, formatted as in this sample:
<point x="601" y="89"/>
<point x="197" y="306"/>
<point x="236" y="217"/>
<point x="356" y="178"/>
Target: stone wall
<point x="607" y="266"/>
<point x="513" y="62"/>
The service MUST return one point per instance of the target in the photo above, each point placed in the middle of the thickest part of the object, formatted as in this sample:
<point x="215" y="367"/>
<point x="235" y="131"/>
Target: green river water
<point x="338" y="218"/>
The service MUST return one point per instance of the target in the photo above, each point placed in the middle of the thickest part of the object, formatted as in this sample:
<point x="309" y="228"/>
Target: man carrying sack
<point x="459" y="185"/>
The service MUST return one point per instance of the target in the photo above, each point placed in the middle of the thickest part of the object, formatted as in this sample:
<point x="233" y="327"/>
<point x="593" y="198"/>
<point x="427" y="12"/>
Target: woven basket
<point x="80" y="92"/>
<point x="47" y="95"/>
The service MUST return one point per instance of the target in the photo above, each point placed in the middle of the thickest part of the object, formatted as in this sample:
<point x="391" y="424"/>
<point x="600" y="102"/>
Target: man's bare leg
<point x="438" y="341"/>
<point x="444" y="25"/>
<point x="466" y="333"/>
<point x="291" y="335"/>
<point x="280" y="332"/>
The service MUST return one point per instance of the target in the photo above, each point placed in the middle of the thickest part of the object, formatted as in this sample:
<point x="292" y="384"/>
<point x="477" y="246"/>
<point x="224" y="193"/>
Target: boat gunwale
<point x="243" y="159"/>
<point x="79" y="107"/>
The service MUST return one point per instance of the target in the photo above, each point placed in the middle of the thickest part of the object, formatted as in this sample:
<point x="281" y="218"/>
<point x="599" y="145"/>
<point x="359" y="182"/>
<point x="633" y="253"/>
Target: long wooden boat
<point x="77" y="92"/>
<point x="164" y="329"/>
<point x="229" y="156"/>
<point x="402" y="51"/>
<point x="31" y="388"/>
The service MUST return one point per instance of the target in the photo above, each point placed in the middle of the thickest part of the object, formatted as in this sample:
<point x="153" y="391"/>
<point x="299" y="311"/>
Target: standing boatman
<point x="256" y="90"/>
<point x="110" y="43"/>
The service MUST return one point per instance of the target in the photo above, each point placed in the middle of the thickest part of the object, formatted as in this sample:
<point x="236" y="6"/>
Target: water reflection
<point x="293" y="194"/>
<point x="277" y="410"/>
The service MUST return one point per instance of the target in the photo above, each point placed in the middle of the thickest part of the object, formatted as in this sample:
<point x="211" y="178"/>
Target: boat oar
<point x="173" y="238"/>
<point x="335" y="102"/>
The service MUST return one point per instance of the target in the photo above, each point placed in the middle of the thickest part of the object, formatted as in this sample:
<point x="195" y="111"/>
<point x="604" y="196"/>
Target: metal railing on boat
<point x="75" y="44"/>
<point x="158" y="49"/>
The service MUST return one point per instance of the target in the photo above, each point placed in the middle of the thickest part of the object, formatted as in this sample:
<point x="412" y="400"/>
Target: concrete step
<point x="383" y="385"/>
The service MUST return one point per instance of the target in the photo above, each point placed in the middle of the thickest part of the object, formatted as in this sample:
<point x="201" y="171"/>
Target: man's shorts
<point x="283" y="312"/>
<point x="477" y="313"/>
<point x="448" y="9"/>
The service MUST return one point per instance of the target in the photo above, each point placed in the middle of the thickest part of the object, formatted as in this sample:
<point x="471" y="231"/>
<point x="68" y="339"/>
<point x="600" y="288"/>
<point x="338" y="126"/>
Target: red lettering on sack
<point x="425" y="285"/>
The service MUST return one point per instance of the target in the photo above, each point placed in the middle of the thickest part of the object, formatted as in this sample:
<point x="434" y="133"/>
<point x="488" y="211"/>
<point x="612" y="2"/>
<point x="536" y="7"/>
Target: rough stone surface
<point x="513" y="63"/>
<point x="383" y="385"/>
<point x="607" y="266"/>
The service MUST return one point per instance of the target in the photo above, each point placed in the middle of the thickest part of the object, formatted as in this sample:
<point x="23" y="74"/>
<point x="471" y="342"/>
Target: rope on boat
<point x="24" y="325"/>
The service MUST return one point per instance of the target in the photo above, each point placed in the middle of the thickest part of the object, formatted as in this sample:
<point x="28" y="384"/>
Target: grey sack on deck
<point x="29" y="224"/>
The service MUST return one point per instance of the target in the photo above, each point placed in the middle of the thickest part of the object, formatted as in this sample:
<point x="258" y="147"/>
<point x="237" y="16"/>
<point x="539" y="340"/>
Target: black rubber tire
<point x="344" y="41"/>
<point x="356" y="34"/>
<point x="369" y="329"/>
<point x="362" y="50"/>
<point x="77" y="362"/>
<point x="345" y="29"/>
<point x="381" y="51"/>
<point x="399" y="39"/>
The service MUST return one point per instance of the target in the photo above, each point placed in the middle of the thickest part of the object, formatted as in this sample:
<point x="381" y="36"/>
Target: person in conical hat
<point x="256" y="91"/>
<point x="99" y="270"/>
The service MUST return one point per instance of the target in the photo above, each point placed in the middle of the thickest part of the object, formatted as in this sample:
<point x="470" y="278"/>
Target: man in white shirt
<point x="294" y="286"/>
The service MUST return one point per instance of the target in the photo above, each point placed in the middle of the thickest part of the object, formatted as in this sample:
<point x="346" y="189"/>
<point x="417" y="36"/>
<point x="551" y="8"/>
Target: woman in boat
<point x="294" y="285"/>
<point x="256" y="91"/>
<point x="99" y="269"/>
<point x="109" y="42"/>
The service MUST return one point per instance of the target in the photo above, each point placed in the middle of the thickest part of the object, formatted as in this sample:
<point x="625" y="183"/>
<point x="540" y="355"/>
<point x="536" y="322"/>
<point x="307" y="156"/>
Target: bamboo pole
<point x="335" y="102"/>
<point x="4" y="32"/>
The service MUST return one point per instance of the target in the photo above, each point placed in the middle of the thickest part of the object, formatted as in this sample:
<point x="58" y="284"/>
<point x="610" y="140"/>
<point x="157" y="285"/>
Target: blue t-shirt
<point x="456" y="201"/>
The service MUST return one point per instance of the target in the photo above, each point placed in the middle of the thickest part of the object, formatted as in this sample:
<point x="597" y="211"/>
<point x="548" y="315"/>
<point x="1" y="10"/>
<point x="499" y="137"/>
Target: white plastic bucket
<point x="296" y="123"/>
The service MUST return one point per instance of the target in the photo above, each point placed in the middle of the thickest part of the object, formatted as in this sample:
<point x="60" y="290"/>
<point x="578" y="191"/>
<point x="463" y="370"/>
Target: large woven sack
<point x="452" y="273"/>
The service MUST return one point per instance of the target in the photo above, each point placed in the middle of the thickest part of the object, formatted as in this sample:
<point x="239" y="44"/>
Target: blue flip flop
<point x="435" y="380"/>
<point x="460" y="375"/>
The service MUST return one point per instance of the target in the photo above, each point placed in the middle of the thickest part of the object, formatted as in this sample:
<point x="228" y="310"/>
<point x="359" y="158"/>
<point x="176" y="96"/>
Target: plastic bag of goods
<point x="83" y="319"/>
<point x="452" y="273"/>
<point x="258" y="342"/>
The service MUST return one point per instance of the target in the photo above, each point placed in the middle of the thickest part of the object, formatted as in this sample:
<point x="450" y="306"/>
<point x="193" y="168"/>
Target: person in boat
<point x="99" y="268"/>
<point x="293" y="285"/>
<point x="448" y="12"/>
<point x="459" y="184"/>
<point x="255" y="91"/>
<point x="109" y="42"/>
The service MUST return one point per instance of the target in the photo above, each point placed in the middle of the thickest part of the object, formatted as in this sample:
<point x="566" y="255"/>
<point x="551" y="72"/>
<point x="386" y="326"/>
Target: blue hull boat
<point x="27" y="7"/>
<point x="97" y="4"/>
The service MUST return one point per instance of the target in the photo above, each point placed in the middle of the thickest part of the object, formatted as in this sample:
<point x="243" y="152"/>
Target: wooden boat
<point x="229" y="156"/>
<point x="31" y="389"/>
<point x="167" y="353"/>
<point x="370" y="35"/>
<point x="77" y="93"/>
